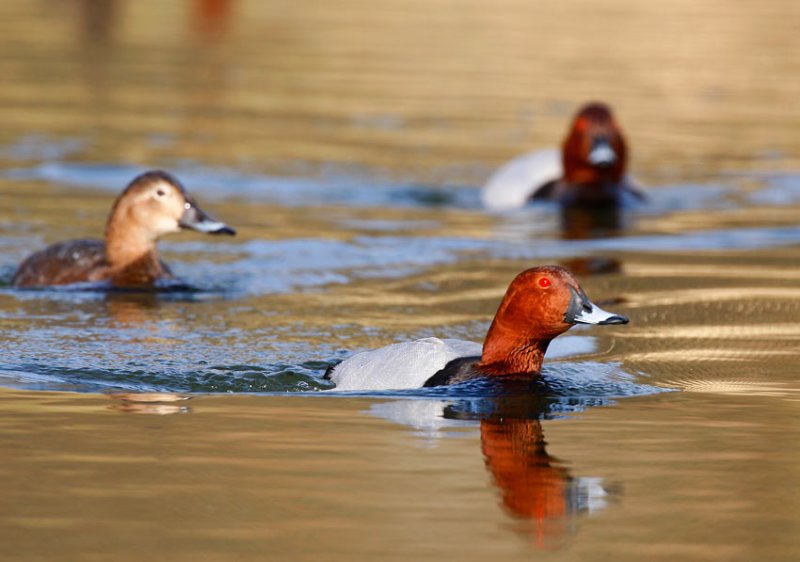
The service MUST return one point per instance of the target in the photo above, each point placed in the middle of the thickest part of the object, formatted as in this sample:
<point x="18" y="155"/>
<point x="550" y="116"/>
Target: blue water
<point x="361" y="188"/>
<point x="231" y="273"/>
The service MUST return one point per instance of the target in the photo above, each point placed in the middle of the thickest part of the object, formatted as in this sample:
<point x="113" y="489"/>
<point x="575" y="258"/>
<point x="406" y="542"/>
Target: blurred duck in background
<point x="154" y="204"/>
<point x="590" y="172"/>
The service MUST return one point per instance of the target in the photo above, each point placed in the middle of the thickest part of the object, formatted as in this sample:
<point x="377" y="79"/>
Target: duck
<point x="590" y="169"/>
<point x="540" y="304"/>
<point x="153" y="204"/>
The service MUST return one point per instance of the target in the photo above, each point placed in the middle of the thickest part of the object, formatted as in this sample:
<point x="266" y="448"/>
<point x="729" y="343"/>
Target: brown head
<point x="154" y="204"/>
<point x="540" y="304"/>
<point x="594" y="151"/>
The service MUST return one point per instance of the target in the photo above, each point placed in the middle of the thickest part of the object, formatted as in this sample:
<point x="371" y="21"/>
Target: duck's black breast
<point x="72" y="261"/>
<point x="458" y="370"/>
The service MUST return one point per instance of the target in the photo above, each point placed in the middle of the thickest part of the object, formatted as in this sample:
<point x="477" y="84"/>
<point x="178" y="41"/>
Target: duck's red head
<point x="594" y="151"/>
<point x="540" y="304"/>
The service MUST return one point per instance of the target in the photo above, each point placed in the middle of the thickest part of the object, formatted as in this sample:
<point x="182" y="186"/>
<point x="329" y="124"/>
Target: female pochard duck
<point x="154" y="204"/>
<point x="540" y="304"/>
<point x="589" y="171"/>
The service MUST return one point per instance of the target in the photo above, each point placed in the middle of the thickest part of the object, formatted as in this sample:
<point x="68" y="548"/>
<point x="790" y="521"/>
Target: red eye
<point x="544" y="282"/>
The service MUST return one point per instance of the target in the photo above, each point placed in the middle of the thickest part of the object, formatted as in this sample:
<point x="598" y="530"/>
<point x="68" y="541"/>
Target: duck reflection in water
<point x="536" y="488"/>
<point x="212" y="18"/>
<point x="99" y="20"/>
<point x="142" y="309"/>
<point x="151" y="403"/>
<point x="147" y="308"/>
<point x="587" y="223"/>
<point x="131" y="309"/>
<point x="532" y="483"/>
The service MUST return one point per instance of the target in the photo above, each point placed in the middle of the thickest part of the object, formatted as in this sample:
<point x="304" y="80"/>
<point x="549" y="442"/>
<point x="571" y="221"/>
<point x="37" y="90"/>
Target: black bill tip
<point x="224" y="230"/>
<point x="616" y="319"/>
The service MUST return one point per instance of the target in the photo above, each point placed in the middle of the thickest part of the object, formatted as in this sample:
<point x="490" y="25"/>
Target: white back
<point x="400" y="365"/>
<point x="515" y="182"/>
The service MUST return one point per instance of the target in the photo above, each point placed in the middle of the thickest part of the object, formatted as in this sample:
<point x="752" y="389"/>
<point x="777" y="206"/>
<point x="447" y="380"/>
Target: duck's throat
<point x="133" y="260"/>
<point x="513" y="357"/>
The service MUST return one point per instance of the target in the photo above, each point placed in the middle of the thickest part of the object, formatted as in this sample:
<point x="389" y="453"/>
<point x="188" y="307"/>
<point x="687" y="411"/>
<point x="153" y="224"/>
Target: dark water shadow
<point x="586" y="223"/>
<point x="167" y="290"/>
<point x="598" y="221"/>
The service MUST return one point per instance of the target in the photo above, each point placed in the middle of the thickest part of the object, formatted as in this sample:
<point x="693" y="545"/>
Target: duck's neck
<point x="587" y="175"/>
<point x="132" y="256"/>
<point x="507" y="352"/>
<point x="593" y="191"/>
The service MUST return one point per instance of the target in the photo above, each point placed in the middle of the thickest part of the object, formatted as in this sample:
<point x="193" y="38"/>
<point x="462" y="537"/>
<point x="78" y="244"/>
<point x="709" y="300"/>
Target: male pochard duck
<point x="590" y="170"/>
<point x="540" y="304"/>
<point x="152" y="205"/>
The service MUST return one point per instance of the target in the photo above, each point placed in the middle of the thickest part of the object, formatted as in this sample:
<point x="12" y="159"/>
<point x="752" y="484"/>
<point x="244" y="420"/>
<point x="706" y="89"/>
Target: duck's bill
<point x="211" y="227"/>
<point x="195" y="218"/>
<point x="583" y="311"/>
<point x="599" y="316"/>
<point x="602" y="154"/>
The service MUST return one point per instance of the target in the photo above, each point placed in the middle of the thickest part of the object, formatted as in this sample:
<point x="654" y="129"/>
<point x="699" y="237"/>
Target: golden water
<point x="431" y="94"/>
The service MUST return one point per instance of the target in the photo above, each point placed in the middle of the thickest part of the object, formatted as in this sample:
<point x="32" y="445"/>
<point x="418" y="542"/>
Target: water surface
<point x="347" y="143"/>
